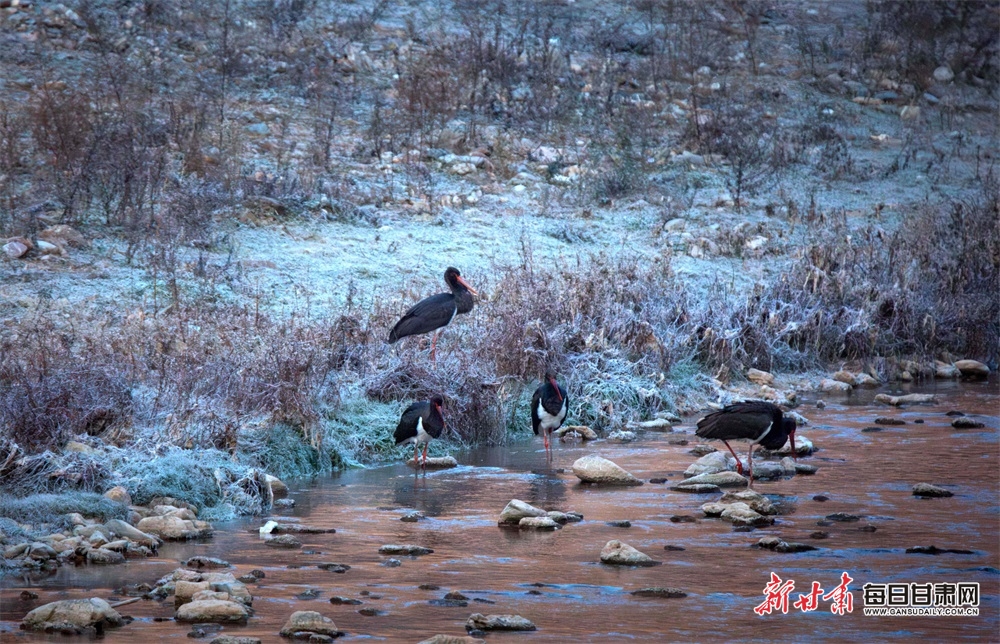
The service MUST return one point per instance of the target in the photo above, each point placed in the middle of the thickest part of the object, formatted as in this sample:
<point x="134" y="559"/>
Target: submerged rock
<point x="434" y="463"/>
<point x="582" y="431"/>
<point x="334" y="567"/>
<point x="597" y="469"/>
<point x="658" y="591"/>
<point x="897" y="401"/>
<point x="309" y="621"/>
<point x="966" y="423"/>
<point x="538" y="523"/>
<point x="617" y="553"/>
<point x="517" y="510"/>
<point x="201" y="561"/>
<point x="776" y="544"/>
<point x="452" y="639"/>
<point x="73" y="616"/>
<point x="622" y="436"/>
<point x="721" y="479"/>
<point x="887" y="420"/>
<point x="283" y="541"/>
<point x="934" y="550"/>
<point x="407" y="549"/>
<point x="480" y="622"/>
<point x="931" y="491"/>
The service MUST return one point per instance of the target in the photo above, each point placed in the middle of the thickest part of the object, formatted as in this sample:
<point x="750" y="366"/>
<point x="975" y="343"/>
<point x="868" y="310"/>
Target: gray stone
<point x="972" y="368"/>
<point x="74" y="615"/>
<point x="933" y="491"/>
<point x="597" y="469"/>
<point x="538" y="523"/>
<point x="582" y="431"/>
<point x="216" y="611"/>
<point x="966" y="423"/>
<point x="453" y="639"/>
<point x="617" y="553"/>
<point x="622" y="436"/>
<point x="283" y="541"/>
<point x="943" y="74"/>
<point x="826" y="384"/>
<point x="721" y="479"/>
<point x="480" y="622"/>
<point x="897" y="401"/>
<point x="101" y="556"/>
<point x="434" y="463"/>
<point x="697" y="488"/>
<point x="123" y="529"/>
<point x="757" y="502"/>
<point x="740" y="514"/>
<point x="658" y="591"/>
<point x="404" y="550"/>
<point x="517" y="510"/>
<point x="708" y="464"/>
<point x="174" y="528"/>
<point x="309" y="621"/>
<point x="234" y="639"/>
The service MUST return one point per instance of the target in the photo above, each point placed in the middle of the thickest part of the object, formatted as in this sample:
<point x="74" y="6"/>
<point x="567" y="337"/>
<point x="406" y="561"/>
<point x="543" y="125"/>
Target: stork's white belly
<point x="421" y="437"/>
<point x="548" y="421"/>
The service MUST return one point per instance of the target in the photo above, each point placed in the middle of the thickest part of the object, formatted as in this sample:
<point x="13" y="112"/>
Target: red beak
<point x="466" y="285"/>
<point x="555" y="386"/>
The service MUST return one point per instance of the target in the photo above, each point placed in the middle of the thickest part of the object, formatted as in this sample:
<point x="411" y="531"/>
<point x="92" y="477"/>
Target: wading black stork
<point x="759" y="422"/>
<point x="421" y="422"/>
<point x="436" y="311"/>
<point x="549" y="405"/>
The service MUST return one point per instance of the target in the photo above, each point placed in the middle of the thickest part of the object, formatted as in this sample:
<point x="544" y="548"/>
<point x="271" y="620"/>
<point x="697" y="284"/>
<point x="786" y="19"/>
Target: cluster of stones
<point x="49" y="243"/>
<point x="743" y="508"/>
<point x="907" y="371"/>
<point x="204" y="596"/>
<point x="528" y="517"/>
<point x="112" y="542"/>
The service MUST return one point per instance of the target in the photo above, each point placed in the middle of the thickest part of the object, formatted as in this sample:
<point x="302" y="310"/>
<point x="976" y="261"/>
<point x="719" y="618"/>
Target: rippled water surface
<point x="555" y="580"/>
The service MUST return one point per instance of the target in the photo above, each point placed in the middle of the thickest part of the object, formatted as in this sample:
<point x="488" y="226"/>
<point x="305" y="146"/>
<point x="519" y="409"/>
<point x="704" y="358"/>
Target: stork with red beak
<point x="436" y="311"/>
<point x="549" y="405"/>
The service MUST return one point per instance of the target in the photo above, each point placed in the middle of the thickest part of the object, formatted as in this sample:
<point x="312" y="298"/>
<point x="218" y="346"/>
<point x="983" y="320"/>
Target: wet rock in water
<point x="235" y="639"/>
<point x="564" y="517"/>
<point x="973" y="368"/>
<point x="623" y="523"/>
<point x="435" y="463"/>
<point x="828" y="385"/>
<point x="908" y="399"/>
<point x="657" y="481"/>
<point x="683" y="518"/>
<point x="934" y="550"/>
<point x="778" y="545"/>
<point x="918" y="421"/>
<point x="803" y="447"/>
<point x="622" y="436"/>
<point x="538" y="523"/>
<point x="874" y="429"/>
<point x="100" y="556"/>
<point x="133" y="534"/>
<point x="887" y="420"/>
<point x="344" y="601"/>
<point x="701" y="450"/>
<point x="955" y="412"/>
<point x="582" y="431"/>
<point x="334" y="567"/>
<point x="945" y="371"/>
<point x="617" y="553"/>
<point x="480" y="622"/>
<point x="757" y="502"/>
<point x="449" y="603"/>
<point x="721" y="479"/>
<point x="865" y="380"/>
<point x="845" y="376"/>
<point x="820" y="498"/>
<point x="672" y="548"/>
<point x="452" y="639"/>
<point x="283" y="541"/>
<point x="174" y="528"/>
<point x="73" y="616"/>
<point x="708" y="464"/>
<point x="658" y="591"/>
<point x="201" y="561"/>
<point x="714" y="510"/>
<point x="966" y="423"/>
<point x="819" y="534"/>
<point x="309" y="621"/>
<point x="759" y="377"/>
<point x="456" y="596"/>
<point x="309" y="593"/>
<point x="517" y="510"/>
<point x="392" y="563"/>
<point x="27" y="596"/>
<point x="741" y="514"/>
<point x="655" y="425"/>
<point x="407" y="549"/>
<point x="184" y="591"/>
<point x="295" y="528"/>
<point x="411" y="517"/>
<point x="213" y="610"/>
<point x="429" y="587"/>
<point x="697" y="488"/>
<point x="843" y="517"/>
<point x="820" y="404"/>
<point x="931" y="491"/>
<point x="764" y="470"/>
<point x="597" y="469"/>
<point x="804" y="468"/>
<point x="867" y="528"/>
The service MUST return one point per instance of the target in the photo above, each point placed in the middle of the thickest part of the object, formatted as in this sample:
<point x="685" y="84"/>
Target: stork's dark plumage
<point x="421" y="422"/>
<point x="436" y="311"/>
<point x="549" y="405"/>
<point x="761" y="423"/>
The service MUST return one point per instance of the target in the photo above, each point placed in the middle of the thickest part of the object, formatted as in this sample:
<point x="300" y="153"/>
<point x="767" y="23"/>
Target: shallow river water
<point x="554" y="578"/>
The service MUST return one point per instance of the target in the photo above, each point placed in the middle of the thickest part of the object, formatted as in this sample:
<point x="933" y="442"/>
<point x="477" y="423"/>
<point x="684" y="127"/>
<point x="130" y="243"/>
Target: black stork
<point x="549" y="405"/>
<point x="421" y="422"/>
<point x="761" y="423"/>
<point x="436" y="311"/>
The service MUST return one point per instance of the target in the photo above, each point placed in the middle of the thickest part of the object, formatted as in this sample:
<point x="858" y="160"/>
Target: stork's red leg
<point x="750" y="458"/>
<point x="424" y="464"/>
<point x="739" y="465"/>
<point x="434" y="347"/>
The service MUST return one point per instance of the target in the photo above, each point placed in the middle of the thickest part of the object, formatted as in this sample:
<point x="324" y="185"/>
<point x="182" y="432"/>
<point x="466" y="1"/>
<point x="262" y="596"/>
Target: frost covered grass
<point x="51" y="509"/>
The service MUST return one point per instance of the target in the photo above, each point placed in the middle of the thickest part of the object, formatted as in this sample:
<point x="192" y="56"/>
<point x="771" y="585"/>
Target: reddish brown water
<point x="578" y="599"/>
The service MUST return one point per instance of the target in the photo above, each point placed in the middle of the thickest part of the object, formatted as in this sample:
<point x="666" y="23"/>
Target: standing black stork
<point x="549" y="405"/>
<point x="754" y="420"/>
<point x="436" y="311"/>
<point x="421" y="422"/>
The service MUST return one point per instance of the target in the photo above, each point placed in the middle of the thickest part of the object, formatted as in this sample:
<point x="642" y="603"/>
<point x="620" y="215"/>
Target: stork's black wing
<point x="426" y="315"/>
<point x="744" y="420"/>
<point x="407" y="427"/>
